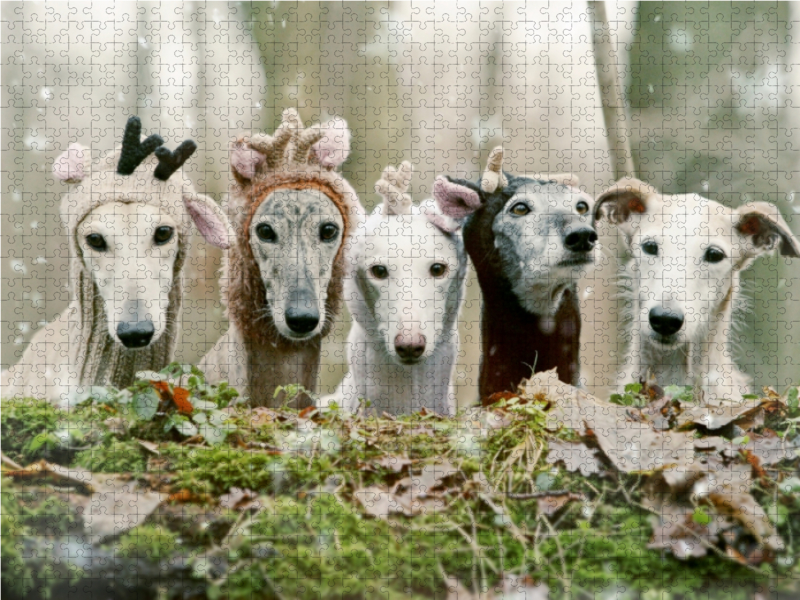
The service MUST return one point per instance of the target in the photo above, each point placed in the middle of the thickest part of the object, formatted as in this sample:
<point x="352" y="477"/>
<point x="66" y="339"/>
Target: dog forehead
<point x="291" y="204"/>
<point x="549" y="197"/>
<point x="405" y="235"/>
<point x="119" y="214"/>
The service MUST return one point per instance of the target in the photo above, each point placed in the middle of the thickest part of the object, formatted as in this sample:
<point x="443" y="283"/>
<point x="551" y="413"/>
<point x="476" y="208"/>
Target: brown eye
<point x="328" y="232"/>
<point x="582" y="207"/>
<point x="163" y="234"/>
<point x="714" y="255"/>
<point x="97" y="242"/>
<point x="379" y="272"/>
<point x="266" y="233"/>
<point x="520" y="209"/>
<point x="438" y="270"/>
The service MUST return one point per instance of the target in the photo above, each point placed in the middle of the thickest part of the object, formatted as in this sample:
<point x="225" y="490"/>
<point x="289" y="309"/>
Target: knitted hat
<point x="140" y="171"/>
<point x="295" y="158"/>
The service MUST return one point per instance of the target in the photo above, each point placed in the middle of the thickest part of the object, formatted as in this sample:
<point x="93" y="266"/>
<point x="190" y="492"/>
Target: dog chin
<point x="577" y="262"/>
<point x="664" y="342"/>
<point x="293" y="336"/>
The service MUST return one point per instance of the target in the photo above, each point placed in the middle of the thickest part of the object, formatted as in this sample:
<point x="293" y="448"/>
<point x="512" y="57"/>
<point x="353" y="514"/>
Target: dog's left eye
<point x="328" y="232"/>
<point x="438" y="270"/>
<point x="650" y="248"/>
<point x="163" y="234"/>
<point x="520" y="209"/>
<point x="714" y="255"/>
<point x="582" y="207"/>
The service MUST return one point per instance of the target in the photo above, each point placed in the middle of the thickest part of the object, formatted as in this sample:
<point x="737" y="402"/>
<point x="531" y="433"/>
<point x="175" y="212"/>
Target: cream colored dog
<point x="688" y="253"/>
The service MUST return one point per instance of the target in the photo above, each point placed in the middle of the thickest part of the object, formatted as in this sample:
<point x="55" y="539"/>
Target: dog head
<point x="687" y="253"/>
<point x="536" y="232"/>
<point x="130" y="227"/>
<point x="408" y="268"/>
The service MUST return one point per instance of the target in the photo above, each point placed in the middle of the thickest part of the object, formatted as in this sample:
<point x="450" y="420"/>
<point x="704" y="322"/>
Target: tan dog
<point x="688" y="252"/>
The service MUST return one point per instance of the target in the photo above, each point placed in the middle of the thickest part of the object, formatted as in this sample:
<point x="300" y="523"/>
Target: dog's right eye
<point x="379" y="272"/>
<point x="520" y="209"/>
<point x="97" y="242"/>
<point x="266" y="233"/>
<point x="650" y="248"/>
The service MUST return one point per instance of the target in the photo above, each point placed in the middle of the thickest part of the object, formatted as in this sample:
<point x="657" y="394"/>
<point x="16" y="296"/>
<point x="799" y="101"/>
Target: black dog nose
<point x="409" y="346"/>
<point x="581" y="240"/>
<point x="301" y="320"/>
<point x="665" y="322"/>
<point x="135" y="335"/>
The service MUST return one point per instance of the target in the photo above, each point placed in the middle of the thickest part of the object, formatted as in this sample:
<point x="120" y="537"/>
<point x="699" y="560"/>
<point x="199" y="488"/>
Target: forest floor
<point x="172" y="490"/>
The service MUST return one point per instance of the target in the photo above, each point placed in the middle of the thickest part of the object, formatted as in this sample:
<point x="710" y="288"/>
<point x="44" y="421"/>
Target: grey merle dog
<point x="530" y="239"/>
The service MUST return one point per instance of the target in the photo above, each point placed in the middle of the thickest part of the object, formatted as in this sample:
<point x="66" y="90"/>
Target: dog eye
<point x="328" y="232"/>
<point x="714" y="255"/>
<point x="438" y="270"/>
<point x="650" y="248"/>
<point x="163" y="234"/>
<point x="266" y="233"/>
<point x="97" y="241"/>
<point x="379" y="272"/>
<point x="520" y="209"/>
<point x="582" y="207"/>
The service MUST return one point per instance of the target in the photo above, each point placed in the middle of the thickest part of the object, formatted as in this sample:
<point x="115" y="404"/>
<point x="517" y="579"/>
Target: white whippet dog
<point x="404" y="287"/>
<point x="129" y="227"/>
<point x="688" y="253"/>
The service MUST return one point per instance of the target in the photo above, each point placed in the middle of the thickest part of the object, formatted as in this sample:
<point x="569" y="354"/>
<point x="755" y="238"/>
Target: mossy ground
<point x="306" y="536"/>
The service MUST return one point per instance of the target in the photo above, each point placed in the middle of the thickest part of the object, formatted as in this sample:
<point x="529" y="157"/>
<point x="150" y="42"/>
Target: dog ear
<point x="433" y="213"/>
<point x="70" y="166"/>
<point x="334" y="147"/>
<point x="627" y="197"/>
<point x="764" y="227"/>
<point x="457" y="198"/>
<point x="209" y="219"/>
<point x="245" y="161"/>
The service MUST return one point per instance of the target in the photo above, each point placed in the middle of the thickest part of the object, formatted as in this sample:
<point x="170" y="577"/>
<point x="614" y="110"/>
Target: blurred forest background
<point x="708" y="92"/>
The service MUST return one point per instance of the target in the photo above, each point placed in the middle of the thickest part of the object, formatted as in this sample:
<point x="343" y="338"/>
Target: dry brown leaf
<point x="239" y="499"/>
<point x="393" y="463"/>
<point x="149" y="446"/>
<point x="45" y="472"/>
<point x="521" y="587"/>
<point x="574" y="455"/>
<point x="550" y="505"/>
<point x="717" y="416"/>
<point x="377" y="502"/>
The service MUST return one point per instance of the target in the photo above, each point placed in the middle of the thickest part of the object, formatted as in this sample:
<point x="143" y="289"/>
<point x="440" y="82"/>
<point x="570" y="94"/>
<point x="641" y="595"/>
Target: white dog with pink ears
<point x="404" y="287"/>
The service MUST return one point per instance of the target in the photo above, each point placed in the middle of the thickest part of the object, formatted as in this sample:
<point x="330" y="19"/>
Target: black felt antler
<point x="134" y="151"/>
<point x="169" y="162"/>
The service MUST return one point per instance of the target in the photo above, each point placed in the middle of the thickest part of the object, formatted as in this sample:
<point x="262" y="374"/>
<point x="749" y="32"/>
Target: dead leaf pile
<point x="698" y="488"/>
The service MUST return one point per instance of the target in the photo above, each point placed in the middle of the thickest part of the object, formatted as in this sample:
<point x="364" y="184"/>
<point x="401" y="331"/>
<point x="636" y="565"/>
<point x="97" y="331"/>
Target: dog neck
<point x="516" y="342"/>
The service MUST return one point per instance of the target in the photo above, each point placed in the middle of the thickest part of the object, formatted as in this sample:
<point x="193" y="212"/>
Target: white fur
<point x="410" y="301"/>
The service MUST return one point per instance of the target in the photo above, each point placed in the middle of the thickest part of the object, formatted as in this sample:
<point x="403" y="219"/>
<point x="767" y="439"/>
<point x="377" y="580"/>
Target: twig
<point x="10" y="463"/>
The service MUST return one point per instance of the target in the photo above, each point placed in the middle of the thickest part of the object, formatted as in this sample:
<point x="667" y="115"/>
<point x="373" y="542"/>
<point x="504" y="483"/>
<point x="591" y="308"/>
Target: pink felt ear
<point x="334" y="147"/>
<point x="455" y="200"/>
<point x="70" y="166"/>
<point x="209" y="219"/>
<point x="439" y="220"/>
<point x="245" y="161"/>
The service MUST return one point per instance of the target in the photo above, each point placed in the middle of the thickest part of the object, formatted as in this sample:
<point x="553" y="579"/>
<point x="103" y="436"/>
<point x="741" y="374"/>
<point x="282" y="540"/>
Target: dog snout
<point x="409" y="346"/>
<point x="302" y="320"/>
<point x="135" y="334"/>
<point x="581" y="240"/>
<point x="665" y="322"/>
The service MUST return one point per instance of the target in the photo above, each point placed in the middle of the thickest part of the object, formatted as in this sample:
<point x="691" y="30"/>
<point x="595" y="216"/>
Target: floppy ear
<point x="245" y="161"/>
<point x="627" y="197"/>
<point x="209" y="219"/>
<point x="457" y="198"/>
<point x="70" y="166"/>
<point x="763" y="226"/>
<point x="334" y="147"/>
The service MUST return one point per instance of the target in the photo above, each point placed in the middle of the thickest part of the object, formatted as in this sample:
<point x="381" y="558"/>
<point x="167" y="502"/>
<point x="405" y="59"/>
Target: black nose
<point x="301" y="320"/>
<point x="665" y="322"/>
<point x="409" y="346"/>
<point x="135" y="335"/>
<point x="581" y="240"/>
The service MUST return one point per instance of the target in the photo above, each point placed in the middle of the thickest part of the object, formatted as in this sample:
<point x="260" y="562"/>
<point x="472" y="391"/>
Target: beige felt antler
<point x="493" y="178"/>
<point x="393" y="186"/>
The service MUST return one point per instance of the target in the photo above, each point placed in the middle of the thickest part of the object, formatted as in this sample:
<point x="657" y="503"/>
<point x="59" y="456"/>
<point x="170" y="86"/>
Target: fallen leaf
<point x="149" y="446"/>
<point x="180" y="396"/>
<point x="575" y="456"/>
<point x="261" y="416"/>
<point x="377" y="502"/>
<point x="551" y="504"/>
<point x="238" y="499"/>
<point x="393" y="463"/>
<point x="521" y="587"/>
<point x="45" y="472"/>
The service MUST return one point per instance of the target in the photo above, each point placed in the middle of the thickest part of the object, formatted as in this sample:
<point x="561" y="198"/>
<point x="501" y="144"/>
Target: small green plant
<point x="631" y="397"/>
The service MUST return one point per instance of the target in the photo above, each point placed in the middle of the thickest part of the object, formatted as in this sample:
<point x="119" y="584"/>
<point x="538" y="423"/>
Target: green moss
<point x="147" y="542"/>
<point x="113" y="456"/>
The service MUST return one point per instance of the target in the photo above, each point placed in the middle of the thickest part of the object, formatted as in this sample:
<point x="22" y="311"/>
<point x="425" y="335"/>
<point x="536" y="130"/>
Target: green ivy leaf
<point x="186" y="427"/>
<point x="145" y="404"/>
<point x="700" y="516"/>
